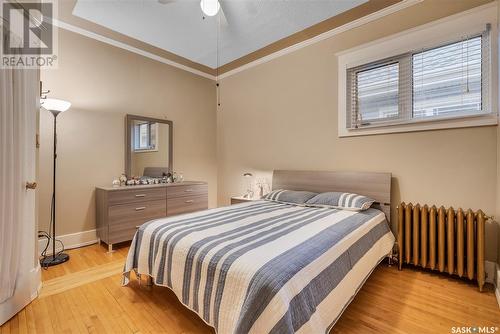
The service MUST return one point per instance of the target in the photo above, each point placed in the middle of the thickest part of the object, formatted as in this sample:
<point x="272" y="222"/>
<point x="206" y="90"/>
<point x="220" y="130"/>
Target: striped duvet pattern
<point x="354" y="201"/>
<point x="261" y="267"/>
<point x="344" y="201"/>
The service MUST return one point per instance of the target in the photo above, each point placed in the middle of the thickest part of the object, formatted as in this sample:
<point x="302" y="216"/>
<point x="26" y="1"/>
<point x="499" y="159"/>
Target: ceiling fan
<point x="208" y="7"/>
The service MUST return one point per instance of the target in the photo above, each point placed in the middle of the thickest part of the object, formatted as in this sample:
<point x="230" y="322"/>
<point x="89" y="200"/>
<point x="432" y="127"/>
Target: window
<point x="377" y="92"/>
<point x="446" y="81"/>
<point x="144" y="136"/>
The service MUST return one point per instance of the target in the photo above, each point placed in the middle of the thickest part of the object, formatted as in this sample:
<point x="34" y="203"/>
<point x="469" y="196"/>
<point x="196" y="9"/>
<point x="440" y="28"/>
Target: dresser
<point x="119" y="210"/>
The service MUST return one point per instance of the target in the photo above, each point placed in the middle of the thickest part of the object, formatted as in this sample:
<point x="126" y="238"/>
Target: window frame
<point x="405" y="65"/>
<point x="402" y="47"/>
<point x="136" y="136"/>
<point x="485" y="109"/>
<point x="370" y="66"/>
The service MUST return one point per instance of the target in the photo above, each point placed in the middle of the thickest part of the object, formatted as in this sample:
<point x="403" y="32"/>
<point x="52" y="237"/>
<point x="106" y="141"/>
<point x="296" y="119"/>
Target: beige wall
<point x="104" y="83"/>
<point x="283" y="115"/>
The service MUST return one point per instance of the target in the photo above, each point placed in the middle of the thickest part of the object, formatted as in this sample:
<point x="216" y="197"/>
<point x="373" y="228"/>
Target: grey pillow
<point x="339" y="200"/>
<point x="290" y="196"/>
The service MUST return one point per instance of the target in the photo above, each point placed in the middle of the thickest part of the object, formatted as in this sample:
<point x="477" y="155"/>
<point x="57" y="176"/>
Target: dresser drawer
<point x="119" y="233"/>
<point x="187" y="190"/>
<point x="136" y="195"/>
<point x="176" y="206"/>
<point x="136" y="213"/>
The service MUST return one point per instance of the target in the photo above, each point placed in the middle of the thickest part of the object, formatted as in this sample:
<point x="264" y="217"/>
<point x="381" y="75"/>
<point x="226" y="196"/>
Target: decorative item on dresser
<point x="445" y="240"/>
<point x="121" y="209"/>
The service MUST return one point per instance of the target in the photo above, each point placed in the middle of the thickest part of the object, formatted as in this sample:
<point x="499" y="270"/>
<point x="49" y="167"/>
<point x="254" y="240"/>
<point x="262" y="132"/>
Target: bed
<point x="268" y="267"/>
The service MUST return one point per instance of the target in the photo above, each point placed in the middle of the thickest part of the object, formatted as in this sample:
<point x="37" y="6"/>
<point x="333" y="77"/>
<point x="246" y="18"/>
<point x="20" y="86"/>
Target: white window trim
<point x="426" y="36"/>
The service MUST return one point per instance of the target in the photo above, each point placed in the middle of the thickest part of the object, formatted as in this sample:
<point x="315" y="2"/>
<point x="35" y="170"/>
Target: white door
<point x="20" y="270"/>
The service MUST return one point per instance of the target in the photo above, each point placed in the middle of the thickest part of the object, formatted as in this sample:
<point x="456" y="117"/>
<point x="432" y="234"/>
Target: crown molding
<point x="343" y="28"/>
<point x="107" y="40"/>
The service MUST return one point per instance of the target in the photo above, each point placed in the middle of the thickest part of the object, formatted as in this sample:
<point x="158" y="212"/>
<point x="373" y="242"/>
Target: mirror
<point x="148" y="147"/>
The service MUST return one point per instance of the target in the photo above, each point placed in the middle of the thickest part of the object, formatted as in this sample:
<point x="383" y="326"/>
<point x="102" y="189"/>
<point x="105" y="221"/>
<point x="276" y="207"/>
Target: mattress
<point x="263" y="267"/>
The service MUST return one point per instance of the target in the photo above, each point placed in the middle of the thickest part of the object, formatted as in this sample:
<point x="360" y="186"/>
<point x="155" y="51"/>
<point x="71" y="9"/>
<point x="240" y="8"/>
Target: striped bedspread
<point x="263" y="267"/>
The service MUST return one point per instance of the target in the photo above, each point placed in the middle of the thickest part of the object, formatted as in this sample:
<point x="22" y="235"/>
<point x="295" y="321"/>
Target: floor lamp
<point x="56" y="107"/>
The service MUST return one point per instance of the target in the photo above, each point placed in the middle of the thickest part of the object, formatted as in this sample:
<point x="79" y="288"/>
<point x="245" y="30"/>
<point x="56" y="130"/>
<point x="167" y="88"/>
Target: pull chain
<point x="218" y="63"/>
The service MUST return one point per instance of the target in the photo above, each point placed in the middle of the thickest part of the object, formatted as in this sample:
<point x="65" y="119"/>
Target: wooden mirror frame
<point x="128" y="137"/>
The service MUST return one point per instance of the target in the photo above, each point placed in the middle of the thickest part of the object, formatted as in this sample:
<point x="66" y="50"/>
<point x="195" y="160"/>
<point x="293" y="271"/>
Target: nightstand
<point x="241" y="199"/>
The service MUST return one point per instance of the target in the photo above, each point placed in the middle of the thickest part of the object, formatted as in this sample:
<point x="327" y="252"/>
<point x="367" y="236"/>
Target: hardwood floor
<point x="84" y="295"/>
<point x="86" y="258"/>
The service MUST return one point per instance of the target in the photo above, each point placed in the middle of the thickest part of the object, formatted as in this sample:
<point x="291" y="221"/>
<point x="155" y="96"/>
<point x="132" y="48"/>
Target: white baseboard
<point x="493" y="276"/>
<point x="70" y="241"/>
<point x="490" y="269"/>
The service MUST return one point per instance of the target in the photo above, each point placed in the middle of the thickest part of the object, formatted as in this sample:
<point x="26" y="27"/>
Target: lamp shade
<point x="210" y="7"/>
<point x="55" y="106"/>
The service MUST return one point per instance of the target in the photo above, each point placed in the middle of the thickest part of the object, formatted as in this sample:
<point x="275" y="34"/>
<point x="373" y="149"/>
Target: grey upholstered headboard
<point x="371" y="184"/>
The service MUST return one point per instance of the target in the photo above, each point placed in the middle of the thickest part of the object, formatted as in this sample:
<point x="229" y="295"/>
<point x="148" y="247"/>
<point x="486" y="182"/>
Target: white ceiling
<point x="178" y="25"/>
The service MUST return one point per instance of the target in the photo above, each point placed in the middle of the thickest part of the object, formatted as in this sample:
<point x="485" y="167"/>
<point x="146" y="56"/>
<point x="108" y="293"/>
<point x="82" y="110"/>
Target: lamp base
<point x="50" y="260"/>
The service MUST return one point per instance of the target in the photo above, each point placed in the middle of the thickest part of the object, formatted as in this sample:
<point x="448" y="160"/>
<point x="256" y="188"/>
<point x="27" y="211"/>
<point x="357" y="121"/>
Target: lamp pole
<point x="56" y="258"/>
<point x="54" y="188"/>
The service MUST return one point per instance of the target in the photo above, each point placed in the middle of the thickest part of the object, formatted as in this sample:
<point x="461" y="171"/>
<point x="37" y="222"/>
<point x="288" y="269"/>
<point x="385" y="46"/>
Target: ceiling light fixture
<point x="210" y="7"/>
